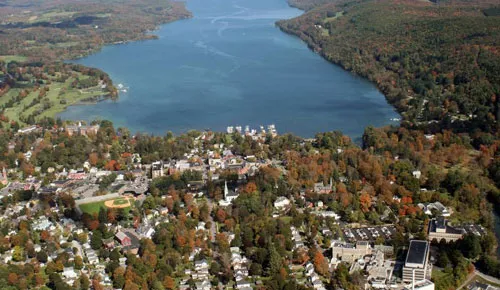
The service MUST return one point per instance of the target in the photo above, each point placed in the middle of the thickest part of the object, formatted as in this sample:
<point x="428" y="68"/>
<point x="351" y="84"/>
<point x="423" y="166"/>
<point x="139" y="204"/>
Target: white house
<point x="327" y="213"/>
<point x="437" y="206"/>
<point x="205" y="285"/>
<point x="41" y="224"/>
<point x="243" y="285"/>
<point x="281" y="203"/>
<point x="201" y="265"/>
<point x="69" y="274"/>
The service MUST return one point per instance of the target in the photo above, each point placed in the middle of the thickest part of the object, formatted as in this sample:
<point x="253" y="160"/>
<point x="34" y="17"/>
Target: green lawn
<point x="60" y="96"/>
<point x="120" y="201"/>
<point x="9" y="58"/>
<point x="286" y="219"/>
<point x="12" y="93"/>
<point x="93" y="207"/>
<point x="51" y="16"/>
<point x="337" y="15"/>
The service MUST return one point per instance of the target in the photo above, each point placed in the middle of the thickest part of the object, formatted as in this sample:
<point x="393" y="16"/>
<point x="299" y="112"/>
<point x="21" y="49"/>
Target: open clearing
<point x="59" y="96"/>
<point x="9" y="58"/>
<point x="94" y="207"/>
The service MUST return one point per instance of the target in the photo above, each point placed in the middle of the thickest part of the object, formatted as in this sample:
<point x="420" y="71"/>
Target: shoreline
<point x="389" y="122"/>
<point x="315" y="49"/>
<point x="143" y="37"/>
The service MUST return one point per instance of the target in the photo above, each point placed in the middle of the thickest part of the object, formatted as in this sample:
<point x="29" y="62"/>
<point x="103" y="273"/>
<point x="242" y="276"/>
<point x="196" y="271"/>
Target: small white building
<point x="281" y="203"/>
<point x="28" y="155"/>
<point x="327" y="213"/>
<point x="42" y="224"/>
<point x="69" y="274"/>
<point x="204" y="285"/>
<point x="201" y="265"/>
<point x="27" y="129"/>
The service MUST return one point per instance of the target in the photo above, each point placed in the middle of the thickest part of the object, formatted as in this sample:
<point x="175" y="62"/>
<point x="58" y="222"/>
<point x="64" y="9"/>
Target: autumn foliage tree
<point x="365" y="201"/>
<point x="320" y="263"/>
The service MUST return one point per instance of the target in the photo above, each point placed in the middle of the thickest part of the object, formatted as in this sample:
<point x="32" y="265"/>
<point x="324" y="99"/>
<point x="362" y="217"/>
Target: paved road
<point x="482" y="275"/>
<point x="487" y="277"/>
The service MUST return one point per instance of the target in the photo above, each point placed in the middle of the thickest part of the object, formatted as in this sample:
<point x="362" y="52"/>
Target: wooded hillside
<point x="55" y="30"/>
<point x="437" y="63"/>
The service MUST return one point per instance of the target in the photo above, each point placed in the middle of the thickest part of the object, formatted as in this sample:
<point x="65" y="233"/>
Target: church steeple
<point x="226" y="190"/>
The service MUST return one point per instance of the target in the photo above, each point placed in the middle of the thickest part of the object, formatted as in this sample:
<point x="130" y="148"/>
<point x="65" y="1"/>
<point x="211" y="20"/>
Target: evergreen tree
<point x="96" y="240"/>
<point x="275" y="262"/>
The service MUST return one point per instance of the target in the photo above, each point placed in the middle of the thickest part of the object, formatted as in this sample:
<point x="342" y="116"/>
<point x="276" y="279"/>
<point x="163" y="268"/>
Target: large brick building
<point x="439" y="230"/>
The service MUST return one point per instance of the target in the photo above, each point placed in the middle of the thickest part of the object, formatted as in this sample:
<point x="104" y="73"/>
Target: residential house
<point x="42" y="224"/>
<point x="201" y="265"/>
<point x="69" y="275"/>
<point x="128" y="240"/>
<point x="123" y="239"/>
<point x="437" y="207"/>
<point x="320" y="188"/>
<point x="282" y="203"/>
<point x="157" y="169"/>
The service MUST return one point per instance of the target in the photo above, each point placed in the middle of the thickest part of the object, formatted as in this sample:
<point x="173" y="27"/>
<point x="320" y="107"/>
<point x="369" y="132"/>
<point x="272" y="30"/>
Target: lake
<point x="230" y="65"/>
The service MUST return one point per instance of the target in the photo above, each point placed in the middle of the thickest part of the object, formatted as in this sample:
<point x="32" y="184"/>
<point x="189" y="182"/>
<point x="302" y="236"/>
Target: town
<point x="224" y="212"/>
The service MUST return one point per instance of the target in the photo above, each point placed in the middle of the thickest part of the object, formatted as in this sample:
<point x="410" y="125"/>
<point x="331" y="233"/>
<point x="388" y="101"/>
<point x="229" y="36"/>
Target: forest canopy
<point x="55" y="30"/>
<point x="436" y="63"/>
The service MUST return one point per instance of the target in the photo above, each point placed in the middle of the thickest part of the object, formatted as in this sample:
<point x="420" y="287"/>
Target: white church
<point x="228" y="196"/>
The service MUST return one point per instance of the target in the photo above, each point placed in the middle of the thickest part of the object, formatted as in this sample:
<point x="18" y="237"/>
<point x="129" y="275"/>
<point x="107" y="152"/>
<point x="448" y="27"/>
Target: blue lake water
<point x="230" y="65"/>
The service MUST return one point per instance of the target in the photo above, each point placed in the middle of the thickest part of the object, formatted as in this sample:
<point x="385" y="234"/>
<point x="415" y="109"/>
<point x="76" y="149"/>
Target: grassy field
<point x="120" y="201"/>
<point x="337" y="15"/>
<point x="58" y="98"/>
<point x="286" y="219"/>
<point x="51" y="16"/>
<point x="9" y="58"/>
<point x="94" y="207"/>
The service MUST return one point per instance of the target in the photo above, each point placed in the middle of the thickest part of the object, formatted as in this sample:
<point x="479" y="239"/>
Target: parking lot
<point x="369" y="233"/>
<point x="477" y="230"/>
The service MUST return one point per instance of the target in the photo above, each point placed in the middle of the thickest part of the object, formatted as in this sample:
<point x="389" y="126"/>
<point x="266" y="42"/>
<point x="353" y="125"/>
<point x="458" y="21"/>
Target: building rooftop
<point x="423" y="284"/>
<point x="417" y="252"/>
<point x="121" y="236"/>
<point x="441" y="224"/>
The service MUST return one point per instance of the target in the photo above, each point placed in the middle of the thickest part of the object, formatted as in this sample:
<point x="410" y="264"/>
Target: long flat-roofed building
<point x="416" y="263"/>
